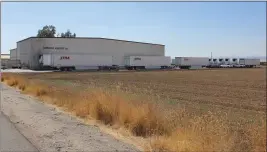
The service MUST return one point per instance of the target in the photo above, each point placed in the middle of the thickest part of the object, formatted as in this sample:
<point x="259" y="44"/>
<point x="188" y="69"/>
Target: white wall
<point x="13" y="54"/>
<point x="118" y="49"/>
<point x="24" y="52"/>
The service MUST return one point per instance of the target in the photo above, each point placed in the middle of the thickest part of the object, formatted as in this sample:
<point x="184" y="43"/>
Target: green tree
<point x="47" y="31"/>
<point x="68" y="34"/>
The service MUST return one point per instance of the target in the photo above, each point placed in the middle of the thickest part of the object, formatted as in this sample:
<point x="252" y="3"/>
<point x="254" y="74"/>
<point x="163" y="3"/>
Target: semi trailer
<point x="191" y="62"/>
<point x="221" y="61"/>
<point x="250" y="63"/>
<point x="69" y="62"/>
<point x="227" y="61"/>
<point x="234" y="61"/>
<point x="147" y="62"/>
<point x="210" y="61"/>
<point x="14" y="64"/>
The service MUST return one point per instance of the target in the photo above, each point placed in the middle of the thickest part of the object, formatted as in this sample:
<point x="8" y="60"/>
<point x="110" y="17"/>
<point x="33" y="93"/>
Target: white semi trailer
<point x="234" y="61"/>
<point x="147" y="62"/>
<point x="191" y="62"/>
<point x="227" y="61"/>
<point x="210" y="61"/>
<point x="249" y="62"/>
<point x="13" y="64"/>
<point x="68" y="62"/>
<point x="215" y="61"/>
<point x="221" y="61"/>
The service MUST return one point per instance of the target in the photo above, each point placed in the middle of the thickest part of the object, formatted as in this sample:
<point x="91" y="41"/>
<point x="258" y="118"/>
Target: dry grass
<point x="13" y="82"/>
<point x="222" y="110"/>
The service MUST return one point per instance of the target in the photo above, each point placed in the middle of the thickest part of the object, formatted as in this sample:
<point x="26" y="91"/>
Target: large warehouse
<point x="4" y="59"/>
<point x="29" y="50"/>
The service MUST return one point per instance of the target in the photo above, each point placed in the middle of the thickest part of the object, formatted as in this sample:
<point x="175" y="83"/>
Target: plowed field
<point x="231" y="88"/>
<point x="207" y="110"/>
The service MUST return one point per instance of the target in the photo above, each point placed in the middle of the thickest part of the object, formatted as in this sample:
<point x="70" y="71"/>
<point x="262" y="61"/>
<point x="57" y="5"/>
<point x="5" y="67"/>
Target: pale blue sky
<point x="185" y="28"/>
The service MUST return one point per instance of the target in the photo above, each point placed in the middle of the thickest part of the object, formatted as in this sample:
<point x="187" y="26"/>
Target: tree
<point x="47" y="31"/>
<point x="68" y="34"/>
<point x="50" y="31"/>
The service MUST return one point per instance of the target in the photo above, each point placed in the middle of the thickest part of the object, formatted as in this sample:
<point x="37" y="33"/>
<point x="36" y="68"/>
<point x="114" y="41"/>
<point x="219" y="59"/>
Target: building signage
<point x="64" y="58"/>
<point x="54" y="48"/>
<point x="137" y="58"/>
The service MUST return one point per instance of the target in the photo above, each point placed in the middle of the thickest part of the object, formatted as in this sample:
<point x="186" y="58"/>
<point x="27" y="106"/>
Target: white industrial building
<point x="14" y="54"/>
<point x="29" y="50"/>
<point x="4" y="60"/>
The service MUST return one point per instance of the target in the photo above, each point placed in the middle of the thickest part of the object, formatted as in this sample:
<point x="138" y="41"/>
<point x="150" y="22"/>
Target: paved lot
<point x="11" y="140"/>
<point x="22" y="71"/>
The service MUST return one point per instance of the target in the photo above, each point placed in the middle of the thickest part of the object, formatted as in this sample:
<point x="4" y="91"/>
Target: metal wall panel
<point x="13" y="54"/>
<point x="98" y="46"/>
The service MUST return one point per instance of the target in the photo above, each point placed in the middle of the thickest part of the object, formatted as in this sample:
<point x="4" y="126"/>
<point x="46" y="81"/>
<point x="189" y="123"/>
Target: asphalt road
<point x="11" y="140"/>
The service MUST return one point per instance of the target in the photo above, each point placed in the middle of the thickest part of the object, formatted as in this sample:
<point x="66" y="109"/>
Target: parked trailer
<point x="189" y="62"/>
<point x="13" y="64"/>
<point x="250" y="63"/>
<point x="226" y="66"/>
<point x="210" y="61"/>
<point x="227" y="61"/>
<point x="234" y="61"/>
<point x="215" y="61"/>
<point x="221" y="61"/>
<point x="68" y="62"/>
<point x="147" y="62"/>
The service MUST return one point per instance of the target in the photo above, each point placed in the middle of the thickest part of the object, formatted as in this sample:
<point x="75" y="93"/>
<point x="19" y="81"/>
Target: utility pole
<point x="211" y="55"/>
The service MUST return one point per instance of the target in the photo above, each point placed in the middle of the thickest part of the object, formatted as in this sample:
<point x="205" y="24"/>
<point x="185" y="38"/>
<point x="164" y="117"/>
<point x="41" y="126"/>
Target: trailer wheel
<point x="70" y="68"/>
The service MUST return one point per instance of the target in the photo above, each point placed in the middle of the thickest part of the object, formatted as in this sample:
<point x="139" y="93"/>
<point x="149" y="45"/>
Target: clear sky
<point x="185" y="28"/>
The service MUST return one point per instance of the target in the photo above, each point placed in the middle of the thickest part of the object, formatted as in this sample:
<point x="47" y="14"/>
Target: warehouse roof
<point x="92" y="38"/>
<point x="5" y="56"/>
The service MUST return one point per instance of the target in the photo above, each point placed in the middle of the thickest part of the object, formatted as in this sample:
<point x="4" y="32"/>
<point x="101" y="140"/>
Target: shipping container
<point x="75" y="61"/>
<point x="147" y="62"/>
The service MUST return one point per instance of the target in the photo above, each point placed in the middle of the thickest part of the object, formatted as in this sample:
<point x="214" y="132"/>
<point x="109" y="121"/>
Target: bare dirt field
<point x="196" y="110"/>
<point x="237" y="88"/>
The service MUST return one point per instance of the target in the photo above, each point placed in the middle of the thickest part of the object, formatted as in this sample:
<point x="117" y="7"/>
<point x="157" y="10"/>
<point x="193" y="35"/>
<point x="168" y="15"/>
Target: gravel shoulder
<point x="11" y="139"/>
<point x="48" y="129"/>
